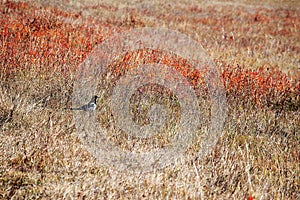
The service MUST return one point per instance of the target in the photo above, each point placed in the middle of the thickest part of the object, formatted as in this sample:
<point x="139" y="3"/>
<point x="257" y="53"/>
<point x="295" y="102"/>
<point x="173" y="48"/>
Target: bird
<point x="88" y="107"/>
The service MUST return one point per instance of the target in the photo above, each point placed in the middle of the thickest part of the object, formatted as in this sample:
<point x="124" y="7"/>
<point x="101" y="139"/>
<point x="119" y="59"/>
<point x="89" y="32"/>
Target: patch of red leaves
<point x="141" y="57"/>
<point x="33" y="36"/>
<point x="264" y="86"/>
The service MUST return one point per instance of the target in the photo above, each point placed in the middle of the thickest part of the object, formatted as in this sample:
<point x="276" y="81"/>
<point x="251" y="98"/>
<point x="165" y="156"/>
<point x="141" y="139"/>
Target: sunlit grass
<point x="43" y="157"/>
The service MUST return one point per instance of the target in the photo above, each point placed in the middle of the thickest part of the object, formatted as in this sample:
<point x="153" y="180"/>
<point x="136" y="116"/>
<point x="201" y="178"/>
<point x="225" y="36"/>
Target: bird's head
<point x="96" y="97"/>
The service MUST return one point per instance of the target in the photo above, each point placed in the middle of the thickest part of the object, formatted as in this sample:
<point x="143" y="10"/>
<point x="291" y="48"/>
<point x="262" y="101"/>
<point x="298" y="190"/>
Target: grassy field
<point x="255" y="46"/>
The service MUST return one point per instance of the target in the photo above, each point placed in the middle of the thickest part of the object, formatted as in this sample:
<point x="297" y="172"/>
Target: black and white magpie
<point x="88" y="107"/>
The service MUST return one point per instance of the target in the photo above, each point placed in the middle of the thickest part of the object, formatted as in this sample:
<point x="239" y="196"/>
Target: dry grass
<point x="41" y="155"/>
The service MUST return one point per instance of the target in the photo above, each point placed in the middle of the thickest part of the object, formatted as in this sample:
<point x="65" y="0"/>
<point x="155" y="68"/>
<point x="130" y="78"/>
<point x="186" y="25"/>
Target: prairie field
<point x="255" y="47"/>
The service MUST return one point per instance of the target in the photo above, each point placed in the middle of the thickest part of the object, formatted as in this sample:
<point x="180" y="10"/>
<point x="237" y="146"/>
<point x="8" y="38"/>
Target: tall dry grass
<point x="41" y="154"/>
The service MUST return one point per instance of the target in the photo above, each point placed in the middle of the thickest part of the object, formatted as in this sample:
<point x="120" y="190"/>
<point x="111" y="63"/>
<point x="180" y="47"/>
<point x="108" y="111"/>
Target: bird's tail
<point x="72" y="108"/>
